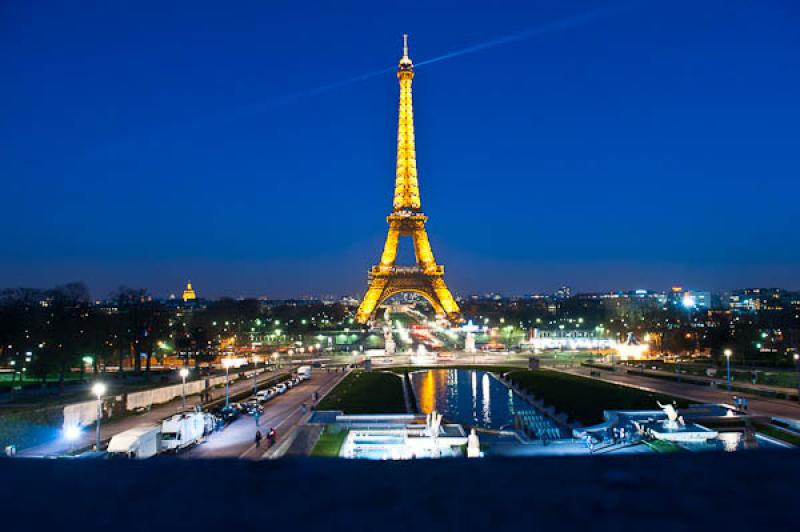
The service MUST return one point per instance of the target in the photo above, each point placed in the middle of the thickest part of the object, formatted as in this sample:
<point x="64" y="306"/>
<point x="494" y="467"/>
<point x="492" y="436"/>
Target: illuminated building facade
<point x="426" y="278"/>
<point x="188" y="294"/>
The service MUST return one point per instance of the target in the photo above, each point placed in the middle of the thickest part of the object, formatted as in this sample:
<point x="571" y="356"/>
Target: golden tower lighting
<point x="426" y="278"/>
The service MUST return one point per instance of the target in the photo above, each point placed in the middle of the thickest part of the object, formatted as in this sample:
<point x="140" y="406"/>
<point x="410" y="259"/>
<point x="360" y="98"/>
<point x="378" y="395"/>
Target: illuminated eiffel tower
<point x="426" y="278"/>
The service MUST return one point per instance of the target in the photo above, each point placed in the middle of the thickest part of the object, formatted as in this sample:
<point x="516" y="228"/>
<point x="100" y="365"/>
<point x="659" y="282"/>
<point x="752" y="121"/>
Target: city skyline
<point x="667" y="158"/>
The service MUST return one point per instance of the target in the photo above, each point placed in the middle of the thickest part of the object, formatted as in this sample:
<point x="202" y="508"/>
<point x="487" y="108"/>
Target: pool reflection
<point x="469" y="397"/>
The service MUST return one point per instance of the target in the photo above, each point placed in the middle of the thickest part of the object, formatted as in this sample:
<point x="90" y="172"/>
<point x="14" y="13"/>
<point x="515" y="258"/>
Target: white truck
<point x="139" y="442"/>
<point x="182" y="430"/>
<point x="304" y="372"/>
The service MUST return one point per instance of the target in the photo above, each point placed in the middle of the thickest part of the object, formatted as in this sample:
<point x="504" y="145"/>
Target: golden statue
<point x="426" y="278"/>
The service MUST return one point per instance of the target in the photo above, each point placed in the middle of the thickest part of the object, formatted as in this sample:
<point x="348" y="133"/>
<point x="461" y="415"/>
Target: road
<point x="109" y="428"/>
<point x="757" y="405"/>
<point x="282" y="413"/>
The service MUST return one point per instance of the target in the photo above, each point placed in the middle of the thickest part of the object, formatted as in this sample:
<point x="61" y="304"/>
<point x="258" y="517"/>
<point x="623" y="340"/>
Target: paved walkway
<point x="721" y="380"/>
<point x="757" y="405"/>
<point x="157" y="413"/>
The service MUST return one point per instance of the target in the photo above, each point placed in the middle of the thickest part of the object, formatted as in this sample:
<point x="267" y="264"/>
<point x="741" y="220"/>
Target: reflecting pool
<point x="469" y="397"/>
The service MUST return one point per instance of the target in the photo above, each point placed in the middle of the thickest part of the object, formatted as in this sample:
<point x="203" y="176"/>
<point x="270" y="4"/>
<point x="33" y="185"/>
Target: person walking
<point x="258" y="438"/>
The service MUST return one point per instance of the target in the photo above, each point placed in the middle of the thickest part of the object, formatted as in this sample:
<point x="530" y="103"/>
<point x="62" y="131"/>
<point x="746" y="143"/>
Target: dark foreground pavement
<point x="708" y="491"/>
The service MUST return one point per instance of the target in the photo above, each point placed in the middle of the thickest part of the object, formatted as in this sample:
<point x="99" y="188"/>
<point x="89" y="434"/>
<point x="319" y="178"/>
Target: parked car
<point x="265" y="395"/>
<point x="251" y="407"/>
<point x="282" y="388"/>
<point x="228" y="414"/>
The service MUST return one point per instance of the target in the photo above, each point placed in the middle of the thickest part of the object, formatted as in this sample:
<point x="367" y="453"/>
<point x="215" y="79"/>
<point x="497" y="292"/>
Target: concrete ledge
<point x="743" y="491"/>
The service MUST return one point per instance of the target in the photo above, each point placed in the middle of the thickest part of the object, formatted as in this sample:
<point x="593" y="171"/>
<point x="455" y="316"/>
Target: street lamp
<point x="98" y="390"/>
<point x="255" y="371"/>
<point x="797" y="368"/>
<point x="227" y="363"/>
<point x="184" y="372"/>
<point x="728" y="354"/>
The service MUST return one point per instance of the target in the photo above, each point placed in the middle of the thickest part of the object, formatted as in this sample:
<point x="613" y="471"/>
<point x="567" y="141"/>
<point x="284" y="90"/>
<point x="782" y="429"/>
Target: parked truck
<point x="139" y="442"/>
<point x="304" y="372"/>
<point x="182" y="430"/>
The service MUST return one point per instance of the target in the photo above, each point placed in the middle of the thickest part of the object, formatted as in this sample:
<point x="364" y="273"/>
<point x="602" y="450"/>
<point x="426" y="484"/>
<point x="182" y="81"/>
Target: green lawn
<point x="584" y="399"/>
<point x="778" y="434"/>
<point x="330" y="442"/>
<point x="661" y="446"/>
<point x="6" y="378"/>
<point x="366" y="392"/>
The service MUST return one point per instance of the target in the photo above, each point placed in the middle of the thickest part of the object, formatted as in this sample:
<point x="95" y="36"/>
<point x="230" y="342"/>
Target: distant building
<point x="565" y="292"/>
<point x="757" y="300"/>
<point x="188" y="294"/>
<point x="696" y="300"/>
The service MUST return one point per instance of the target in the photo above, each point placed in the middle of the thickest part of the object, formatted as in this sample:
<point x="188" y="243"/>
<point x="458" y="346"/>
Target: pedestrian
<point x="258" y="438"/>
<point x="744" y="403"/>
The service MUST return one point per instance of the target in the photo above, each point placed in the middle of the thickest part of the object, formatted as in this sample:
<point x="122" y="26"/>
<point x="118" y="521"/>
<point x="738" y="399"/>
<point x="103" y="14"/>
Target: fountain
<point x="422" y="356"/>
<point x="675" y="429"/>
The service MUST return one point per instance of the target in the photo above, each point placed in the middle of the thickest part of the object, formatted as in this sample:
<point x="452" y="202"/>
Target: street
<point x="109" y="427"/>
<point x="282" y="413"/>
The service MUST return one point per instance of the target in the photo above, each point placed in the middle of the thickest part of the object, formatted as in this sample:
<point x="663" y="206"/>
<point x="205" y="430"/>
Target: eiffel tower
<point x="426" y="278"/>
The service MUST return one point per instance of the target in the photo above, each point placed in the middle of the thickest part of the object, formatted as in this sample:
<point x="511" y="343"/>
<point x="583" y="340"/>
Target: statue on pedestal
<point x="674" y="421"/>
<point x="469" y="342"/>
<point x="473" y="445"/>
<point x="388" y="341"/>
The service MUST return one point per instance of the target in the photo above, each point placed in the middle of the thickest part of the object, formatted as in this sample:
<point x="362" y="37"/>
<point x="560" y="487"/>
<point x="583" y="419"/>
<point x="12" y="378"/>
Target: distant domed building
<point x="188" y="294"/>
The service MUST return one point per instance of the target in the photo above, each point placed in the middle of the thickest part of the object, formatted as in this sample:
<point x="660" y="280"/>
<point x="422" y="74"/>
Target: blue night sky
<point x="607" y="145"/>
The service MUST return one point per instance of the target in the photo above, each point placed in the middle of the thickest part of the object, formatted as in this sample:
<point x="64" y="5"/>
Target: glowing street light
<point x="728" y="354"/>
<point x="184" y="372"/>
<point x="99" y="389"/>
<point x="72" y="433"/>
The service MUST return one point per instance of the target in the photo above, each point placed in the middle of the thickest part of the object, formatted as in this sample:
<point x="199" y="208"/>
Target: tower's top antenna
<point x="405" y="61"/>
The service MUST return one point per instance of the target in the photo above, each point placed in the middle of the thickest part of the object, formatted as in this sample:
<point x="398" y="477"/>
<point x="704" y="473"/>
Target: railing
<point x="405" y="270"/>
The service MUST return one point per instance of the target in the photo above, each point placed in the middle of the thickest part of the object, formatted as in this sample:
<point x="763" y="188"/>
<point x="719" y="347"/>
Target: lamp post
<point x="226" y="363"/>
<point x="728" y="354"/>
<point x="255" y="368"/>
<point x="183" y="373"/>
<point x="98" y="390"/>
<point x="797" y="369"/>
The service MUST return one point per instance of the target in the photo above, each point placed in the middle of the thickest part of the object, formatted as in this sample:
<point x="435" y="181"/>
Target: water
<point x="469" y="397"/>
<point x="730" y="442"/>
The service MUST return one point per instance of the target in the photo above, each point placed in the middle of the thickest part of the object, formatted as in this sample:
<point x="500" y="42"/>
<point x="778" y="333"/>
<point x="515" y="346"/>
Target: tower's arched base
<point x="383" y="285"/>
